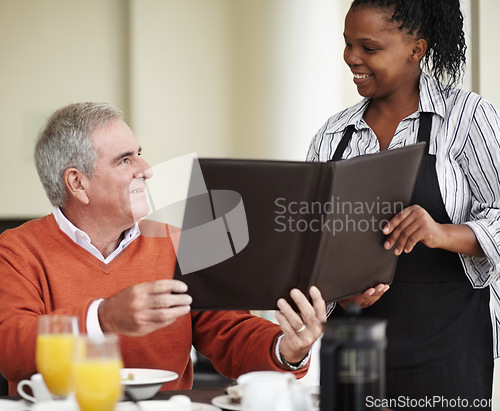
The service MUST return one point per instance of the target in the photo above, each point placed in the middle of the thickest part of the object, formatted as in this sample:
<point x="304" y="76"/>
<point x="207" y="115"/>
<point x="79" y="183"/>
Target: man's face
<point x="117" y="189"/>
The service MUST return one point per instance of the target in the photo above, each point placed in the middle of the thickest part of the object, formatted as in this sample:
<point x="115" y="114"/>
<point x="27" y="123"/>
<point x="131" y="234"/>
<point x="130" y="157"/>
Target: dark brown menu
<point x="308" y="224"/>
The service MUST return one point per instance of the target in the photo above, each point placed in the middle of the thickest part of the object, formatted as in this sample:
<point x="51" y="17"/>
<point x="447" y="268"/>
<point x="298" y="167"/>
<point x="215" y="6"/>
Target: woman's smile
<point x="360" y="79"/>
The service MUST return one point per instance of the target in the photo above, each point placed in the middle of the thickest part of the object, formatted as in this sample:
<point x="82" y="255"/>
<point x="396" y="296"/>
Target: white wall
<point x="180" y="76"/>
<point x="52" y="52"/>
<point x="246" y="78"/>
<point x="286" y="67"/>
<point x="489" y="56"/>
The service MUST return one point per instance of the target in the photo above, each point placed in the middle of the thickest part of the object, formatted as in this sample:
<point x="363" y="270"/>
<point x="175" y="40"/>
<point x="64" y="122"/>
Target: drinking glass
<point x="54" y="351"/>
<point x="96" y="373"/>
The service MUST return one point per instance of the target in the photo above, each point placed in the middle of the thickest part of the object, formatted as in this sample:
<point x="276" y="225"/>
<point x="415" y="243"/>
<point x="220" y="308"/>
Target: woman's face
<point x="378" y="53"/>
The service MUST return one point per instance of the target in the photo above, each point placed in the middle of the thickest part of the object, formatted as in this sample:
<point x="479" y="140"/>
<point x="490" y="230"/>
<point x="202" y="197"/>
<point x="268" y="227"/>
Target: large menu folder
<point x="308" y="224"/>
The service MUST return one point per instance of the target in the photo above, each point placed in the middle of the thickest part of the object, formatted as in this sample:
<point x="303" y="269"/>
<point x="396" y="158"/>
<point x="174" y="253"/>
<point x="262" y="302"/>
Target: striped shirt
<point x="465" y="138"/>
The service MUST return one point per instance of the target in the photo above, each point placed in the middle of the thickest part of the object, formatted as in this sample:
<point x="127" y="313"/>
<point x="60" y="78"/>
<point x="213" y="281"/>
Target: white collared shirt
<point x="82" y="239"/>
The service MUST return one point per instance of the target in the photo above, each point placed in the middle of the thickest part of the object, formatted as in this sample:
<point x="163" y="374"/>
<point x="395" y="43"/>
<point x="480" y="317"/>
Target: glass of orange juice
<point x="96" y="372"/>
<point x="54" y="351"/>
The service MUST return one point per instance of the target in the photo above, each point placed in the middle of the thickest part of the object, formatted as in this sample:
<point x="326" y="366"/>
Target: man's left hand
<point x="300" y="330"/>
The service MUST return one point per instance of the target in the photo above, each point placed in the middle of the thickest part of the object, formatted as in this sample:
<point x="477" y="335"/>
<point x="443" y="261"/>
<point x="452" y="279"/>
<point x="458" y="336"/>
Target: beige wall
<point x="238" y="78"/>
<point x="52" y="52"/>
<point x="180" y="76"/>
<point x="246" y="78"/>
<point x="286" y="71"/>
<point x="489" y="56"/>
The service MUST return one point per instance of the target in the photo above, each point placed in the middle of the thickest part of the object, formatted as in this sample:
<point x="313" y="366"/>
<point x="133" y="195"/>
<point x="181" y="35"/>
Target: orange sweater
<point x="43" y="271"/>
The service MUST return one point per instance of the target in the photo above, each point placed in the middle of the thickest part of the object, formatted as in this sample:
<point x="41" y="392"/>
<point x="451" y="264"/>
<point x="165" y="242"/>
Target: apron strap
<point x="343" y="143"/>
<point x="424" y="129"/>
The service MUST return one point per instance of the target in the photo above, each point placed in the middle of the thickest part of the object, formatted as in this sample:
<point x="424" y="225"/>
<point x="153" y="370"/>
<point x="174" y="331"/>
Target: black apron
<point x="439" y="335"/>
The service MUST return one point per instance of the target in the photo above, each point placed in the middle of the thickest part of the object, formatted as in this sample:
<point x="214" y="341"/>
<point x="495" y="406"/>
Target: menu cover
<point x="292" y="225"/>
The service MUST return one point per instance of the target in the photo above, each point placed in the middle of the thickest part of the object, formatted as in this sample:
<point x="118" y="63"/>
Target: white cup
<point x="38" y="388"/>
<point x="267" y="390"/>
<point x="301" y="397"/>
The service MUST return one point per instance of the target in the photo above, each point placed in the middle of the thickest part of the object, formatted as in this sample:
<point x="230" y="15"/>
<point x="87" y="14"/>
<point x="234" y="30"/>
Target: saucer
<point x="166" y="405"/>
<point x="10" y="405"/>
<point x="224" y="402"/>
<point x="70" y="405"/>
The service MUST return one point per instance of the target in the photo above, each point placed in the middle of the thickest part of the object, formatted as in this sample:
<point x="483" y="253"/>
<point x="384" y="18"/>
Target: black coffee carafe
<point x="352" y="372"/>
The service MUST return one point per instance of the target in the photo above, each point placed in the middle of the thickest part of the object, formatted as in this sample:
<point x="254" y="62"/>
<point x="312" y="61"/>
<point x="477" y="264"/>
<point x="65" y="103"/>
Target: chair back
<point x="4" y="225"/>
<point x="4" y="387"/>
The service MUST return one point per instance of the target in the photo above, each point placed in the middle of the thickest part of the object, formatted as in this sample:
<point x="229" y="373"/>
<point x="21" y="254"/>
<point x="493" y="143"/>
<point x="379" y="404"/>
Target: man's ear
<point x="419" y="50"/>
<point x="75" y="180"/>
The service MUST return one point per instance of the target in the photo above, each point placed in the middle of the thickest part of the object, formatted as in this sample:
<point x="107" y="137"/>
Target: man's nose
<point x="144" y="170"/>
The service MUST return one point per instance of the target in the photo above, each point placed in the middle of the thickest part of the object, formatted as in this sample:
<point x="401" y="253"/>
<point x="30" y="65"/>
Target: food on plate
<point x="235" y="393"/>
<point x="130" y="377"/>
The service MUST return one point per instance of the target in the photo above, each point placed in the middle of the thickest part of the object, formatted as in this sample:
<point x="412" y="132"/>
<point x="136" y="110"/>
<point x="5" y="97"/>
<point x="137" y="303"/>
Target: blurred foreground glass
<point x="96" y="373"/>
<point x="54" y="351"/>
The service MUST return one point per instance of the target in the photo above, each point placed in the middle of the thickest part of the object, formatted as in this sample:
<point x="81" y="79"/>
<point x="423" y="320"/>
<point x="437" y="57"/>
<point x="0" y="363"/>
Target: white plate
<point x="10" y="405"/>
<point x="160" y="405"/>
<point x="146" y="376"/>
<point x="71" y="405"/>
<point x="224" y="401"/>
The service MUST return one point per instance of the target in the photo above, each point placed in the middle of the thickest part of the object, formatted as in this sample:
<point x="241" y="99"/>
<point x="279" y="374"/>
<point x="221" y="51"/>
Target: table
<point x="203" y="395"/>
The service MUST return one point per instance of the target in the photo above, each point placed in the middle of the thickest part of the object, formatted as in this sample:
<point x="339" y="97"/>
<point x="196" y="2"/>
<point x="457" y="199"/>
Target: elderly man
<point x="89" y="259"/>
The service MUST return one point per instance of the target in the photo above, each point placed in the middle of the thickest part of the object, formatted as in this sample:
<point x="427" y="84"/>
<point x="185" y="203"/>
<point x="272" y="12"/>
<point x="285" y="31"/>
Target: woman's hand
<point x="414" y="224"/>
<point x="411" y="225"/>
<point x="369" y="297"/>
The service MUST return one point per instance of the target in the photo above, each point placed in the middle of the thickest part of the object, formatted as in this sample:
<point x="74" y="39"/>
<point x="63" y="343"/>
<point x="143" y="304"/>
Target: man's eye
<point x="125" y="160"/>
<point x="370" y="50"/>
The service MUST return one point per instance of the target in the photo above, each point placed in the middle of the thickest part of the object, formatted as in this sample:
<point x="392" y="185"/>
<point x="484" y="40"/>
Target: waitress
<point x="440" y="339"/>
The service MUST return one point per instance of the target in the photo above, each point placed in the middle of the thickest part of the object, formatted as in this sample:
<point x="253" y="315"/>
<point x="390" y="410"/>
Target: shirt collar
<point x="82" y="239"/>
<point x="432" y="95"/>
<point x="353" y="116"/>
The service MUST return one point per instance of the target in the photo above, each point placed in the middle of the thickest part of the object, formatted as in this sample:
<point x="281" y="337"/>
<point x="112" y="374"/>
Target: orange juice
<point x="54" y="353"/>
<point x="97" y="383"/>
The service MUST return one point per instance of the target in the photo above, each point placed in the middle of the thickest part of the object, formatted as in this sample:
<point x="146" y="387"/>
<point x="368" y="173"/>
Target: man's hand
<point x="300" y="330"/>
<point x="366" y="299"/>
<point x="144" y="308"/>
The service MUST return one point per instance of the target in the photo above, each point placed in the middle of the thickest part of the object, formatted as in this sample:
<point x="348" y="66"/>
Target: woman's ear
<point x="419" y="50"/>
<point x="75" y="180"/>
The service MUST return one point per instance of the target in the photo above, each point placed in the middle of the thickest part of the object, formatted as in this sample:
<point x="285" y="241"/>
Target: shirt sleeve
<point x="313" y="153"/>
<point x="315" y="148"/>
<point x="481" y="162"/>
<point x="93" y="326"/>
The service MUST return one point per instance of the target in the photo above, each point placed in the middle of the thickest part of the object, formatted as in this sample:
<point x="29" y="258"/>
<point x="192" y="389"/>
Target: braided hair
<point x="440" y="23"/>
